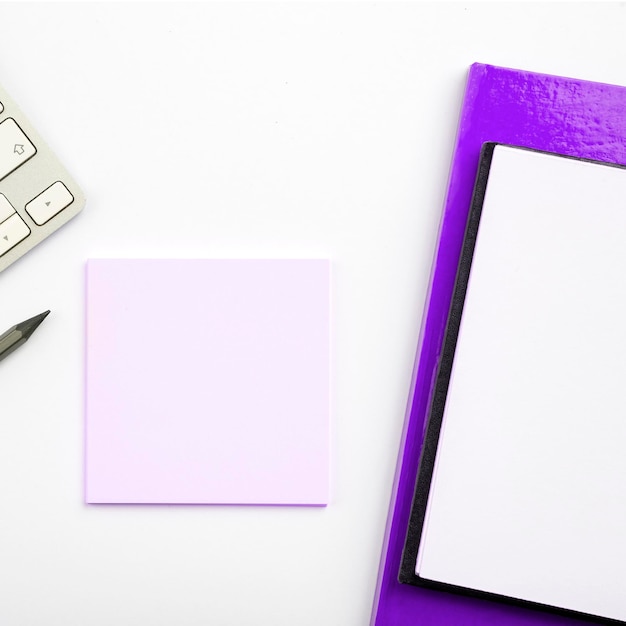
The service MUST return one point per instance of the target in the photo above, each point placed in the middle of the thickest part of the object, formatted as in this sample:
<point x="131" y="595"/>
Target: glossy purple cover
<point x="563" y="115"/>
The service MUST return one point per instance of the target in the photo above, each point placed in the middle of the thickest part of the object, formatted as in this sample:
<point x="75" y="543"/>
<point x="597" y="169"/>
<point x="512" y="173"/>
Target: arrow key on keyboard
<point x="49" y="202"/>
<point x="12" y="231"/>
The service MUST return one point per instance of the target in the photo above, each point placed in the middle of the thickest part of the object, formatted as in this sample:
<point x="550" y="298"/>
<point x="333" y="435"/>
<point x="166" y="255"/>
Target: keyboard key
<point x="15" y="147"/>
<point x="12" y="231"/>
<point x="6" y="210"/>
<point x="49" y="202"/>
<point x="28" y="168"/>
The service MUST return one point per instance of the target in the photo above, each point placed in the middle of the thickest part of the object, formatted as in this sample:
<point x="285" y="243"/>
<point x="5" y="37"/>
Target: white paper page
<point x="528" y="497"/>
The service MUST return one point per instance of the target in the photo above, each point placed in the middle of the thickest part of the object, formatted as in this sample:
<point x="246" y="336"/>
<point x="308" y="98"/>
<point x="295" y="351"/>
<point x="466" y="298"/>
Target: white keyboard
<point x="37" y="194"/>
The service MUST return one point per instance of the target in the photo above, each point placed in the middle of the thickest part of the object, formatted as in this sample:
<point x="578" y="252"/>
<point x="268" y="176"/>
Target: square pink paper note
<point x="207" y="381"/>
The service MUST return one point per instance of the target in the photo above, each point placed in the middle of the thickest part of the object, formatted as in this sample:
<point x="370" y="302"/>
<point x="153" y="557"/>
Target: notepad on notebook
<point x="521" y="491"/>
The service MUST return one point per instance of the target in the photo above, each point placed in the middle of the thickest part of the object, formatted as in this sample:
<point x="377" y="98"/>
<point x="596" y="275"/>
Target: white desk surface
<point x="241" y="130"/>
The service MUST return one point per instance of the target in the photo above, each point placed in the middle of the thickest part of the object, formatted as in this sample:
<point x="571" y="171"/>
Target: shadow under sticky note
<point x="207" y="382"/>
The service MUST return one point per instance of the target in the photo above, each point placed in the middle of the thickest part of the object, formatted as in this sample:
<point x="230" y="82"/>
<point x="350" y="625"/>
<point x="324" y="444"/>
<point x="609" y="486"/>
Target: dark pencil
<point x="13" y="338"/>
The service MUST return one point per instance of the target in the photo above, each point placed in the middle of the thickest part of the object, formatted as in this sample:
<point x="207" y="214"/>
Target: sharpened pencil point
<point x="17" y="335"/>
<point x="29" y="326"/>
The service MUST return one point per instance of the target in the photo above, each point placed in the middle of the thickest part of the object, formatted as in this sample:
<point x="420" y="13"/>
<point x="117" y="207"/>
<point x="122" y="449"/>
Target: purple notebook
<point x="549" y="113"/>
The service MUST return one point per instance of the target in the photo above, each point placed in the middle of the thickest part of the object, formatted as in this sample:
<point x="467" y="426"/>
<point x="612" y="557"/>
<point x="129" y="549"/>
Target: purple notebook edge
<point x="552" y="113"/>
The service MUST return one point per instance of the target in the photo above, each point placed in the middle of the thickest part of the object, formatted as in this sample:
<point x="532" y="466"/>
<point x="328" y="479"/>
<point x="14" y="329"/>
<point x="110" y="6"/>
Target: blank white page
<point x="528" y="497"/>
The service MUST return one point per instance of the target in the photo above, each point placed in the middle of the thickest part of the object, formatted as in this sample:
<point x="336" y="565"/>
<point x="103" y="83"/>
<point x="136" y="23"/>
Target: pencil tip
<point x="29" y="326"/>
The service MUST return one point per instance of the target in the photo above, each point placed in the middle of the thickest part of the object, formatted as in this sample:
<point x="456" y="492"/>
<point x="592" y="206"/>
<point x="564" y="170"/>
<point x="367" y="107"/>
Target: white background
<point x="241" y="130"/>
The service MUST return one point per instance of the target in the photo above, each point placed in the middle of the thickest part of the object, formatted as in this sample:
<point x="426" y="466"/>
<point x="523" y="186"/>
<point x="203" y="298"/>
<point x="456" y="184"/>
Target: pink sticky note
<point x="207" y="381"/>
